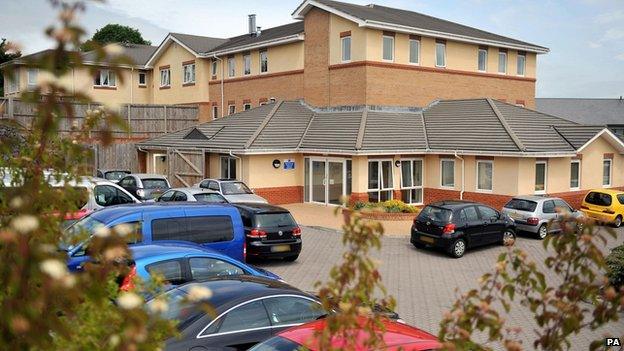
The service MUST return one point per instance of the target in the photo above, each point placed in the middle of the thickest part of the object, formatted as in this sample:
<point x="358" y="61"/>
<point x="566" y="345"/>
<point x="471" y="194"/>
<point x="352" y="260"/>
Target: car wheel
<point x="458" y="248"/>
<point x="291" y="258"/>
<point x="542" y="232"/>
<point x="509" y="237"/>
<point x="618" y="221"/>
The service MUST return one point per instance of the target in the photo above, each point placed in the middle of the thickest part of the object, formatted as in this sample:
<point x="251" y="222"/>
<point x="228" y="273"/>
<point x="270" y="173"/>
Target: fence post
<point x="11" y="108"/>
<point x="129" y="121"/>
<point x="165" y="108"/>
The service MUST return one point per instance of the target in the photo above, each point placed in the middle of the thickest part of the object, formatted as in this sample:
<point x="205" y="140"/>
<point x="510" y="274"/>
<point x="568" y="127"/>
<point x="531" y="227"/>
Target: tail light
<point x="128" y="281"/>
<point x="448" y="229"/>
<point x="245" y="251"/>
<point x="141" y="192"/>
<point x="257" y="233"/>
<point x="533" y="221"/>
<point x="296" y="232"/>
<point x="609" y="211"/>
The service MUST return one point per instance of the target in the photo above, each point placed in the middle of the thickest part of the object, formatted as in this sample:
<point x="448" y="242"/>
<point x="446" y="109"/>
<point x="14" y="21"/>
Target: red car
<point x="397" y="336"/>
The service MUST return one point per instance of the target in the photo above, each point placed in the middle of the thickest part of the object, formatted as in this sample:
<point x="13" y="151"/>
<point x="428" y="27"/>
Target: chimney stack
<point x="252" y="24"/>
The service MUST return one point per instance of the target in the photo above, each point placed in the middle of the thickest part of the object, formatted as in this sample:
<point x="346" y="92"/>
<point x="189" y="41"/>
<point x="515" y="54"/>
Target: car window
<point x="204" y="184"/>
<point x="620" y="198"/>
<point x="235" y="188"/>
<point x="214" y="186"/>
<point x="105" y="195"/>
<point x="205" y="267"/>
<point x="179" y="196"/>
<point x="277" y="343"/>
<point x="128" y="181"/>
<point x="436" y="214"/>
<point x="548" y="206"/>
<point x="168" y="196"/>
<point x="562" y="205"/>
<point x="155" y="183"/>
<point x="521" y="205"/>
<point x="115" y="175"/>
<point x="248" y="316"/>
<point x="210" y="198"/>
<point x="246" y="219"/>
<point x="168" y="228"/>
<point x="468" y="214"/>
<point x="201" y="230"/>
<point x="123" y="198"/>
<point x="292" y="310"/>
<point x="487" y="213"/>
<point x="598" y="199"/>
<point x="171" y="270"/>
<point x="283" y="219"/>
<point x="99" y="174"/>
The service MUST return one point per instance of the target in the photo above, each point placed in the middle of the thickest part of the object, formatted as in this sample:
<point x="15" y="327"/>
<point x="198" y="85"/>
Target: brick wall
<point x="316" y="58"/>
<point x="281" y="195"/>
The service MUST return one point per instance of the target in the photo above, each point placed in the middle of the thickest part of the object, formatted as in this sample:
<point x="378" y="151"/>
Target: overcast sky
<point x="586" y="37"/>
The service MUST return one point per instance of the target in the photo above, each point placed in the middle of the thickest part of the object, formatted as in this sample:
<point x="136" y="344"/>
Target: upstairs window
<point x="502" y="62"/>
<point x="264" y="62"/>
<point x="231" y="109"/>
<point x="214" y="67"/>
<point x="215" y="112"/>
<point x="231" y="67"/>
<point x="440" y="54"/>
<point x="32" y="75"/>
<point x="189" y="73"/>
<point x="14" y="82"/>
<point x="346" y="48"/>
<point x="414" y="51"/>
<point x="142" y="79"/>
<point x="105" y="78"/>
<point x="388" y="47"/>
<point x="246" y="106"/>
<point x="482" y="65"/>
<point x="246" y="64"/>
<point x="521" y="63"/>
<point x="165" y="77"/>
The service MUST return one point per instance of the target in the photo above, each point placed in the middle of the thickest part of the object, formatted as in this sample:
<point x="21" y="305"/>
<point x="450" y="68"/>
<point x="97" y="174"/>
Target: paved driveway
<point x="423" y="282"/>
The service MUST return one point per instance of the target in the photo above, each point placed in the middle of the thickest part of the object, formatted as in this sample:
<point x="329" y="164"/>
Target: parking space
<point x="424" y="283"/>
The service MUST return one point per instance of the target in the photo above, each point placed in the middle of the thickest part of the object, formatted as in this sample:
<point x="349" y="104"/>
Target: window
<point x="170" y="270"/>
<point x="411" y="181"/>
<point x="414" y="47"/>
<point x="214" y="67"/>
<point x="32" y="74"/>
<point x="246" y="107"/>
<point x="14" y="82"/>
<point x="388" y="48"/>
<point x="484" y="175"/>
<point x="540" y="177"/>
<point x="548" y="206"/>
<point x="165" y="79"/>
<point x="168" y="196"/>
<point x="247" y="64"/>
<point x="231" y="67"/>
<point x="346" y="48"/>
<point x="249" y="316"/>
<point x="562" y="206"/>
<point x="599" y="199"/>
<point x="142" y="79"/>
<point x="575" y="174"/>
<point x="502" y="62"/>
<point x="215" y="112"/>
<point x="447" y="173"/>
<point x="482" y="66"/>
<point x="189" y="73"/>
<point x="214" y="186"/>
<point x="606" y="172"/>
<point x="228" y="167"/>
<point x="231" y="109"/>
<point x="380" y="183"/>
<point x="468" y="215"/>
<point x="272" y="100"/>
<point x="264" y="62"/>
<point x="204" y="267"/>
<point x="105" y="78"/>
<point x="180" y="196"/>
<point x="200" y="230"/>
<point x="488" y="213"/>
<point x="440" y="54"/>
<point x="521" y="64"/>
<point x="290" y="310"/>
<point x="106" y="195"/>
<point x="211" y="198"/>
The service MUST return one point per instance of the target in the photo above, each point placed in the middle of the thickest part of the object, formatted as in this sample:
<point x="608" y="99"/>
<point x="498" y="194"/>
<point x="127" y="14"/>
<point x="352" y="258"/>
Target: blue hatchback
<point x="214" y="226"/>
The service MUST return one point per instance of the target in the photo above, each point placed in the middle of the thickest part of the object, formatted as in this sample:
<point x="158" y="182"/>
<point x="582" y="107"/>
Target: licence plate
<point x="280" y="248"/>
<point x="427" y="239"/>
<point x="515" y="216"/>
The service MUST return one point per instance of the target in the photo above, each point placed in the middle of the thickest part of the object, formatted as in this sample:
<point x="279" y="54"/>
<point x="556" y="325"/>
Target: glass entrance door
<point x="327" y="180"/>
<point x="335" y="183"/>
<point x="318" y="181"/>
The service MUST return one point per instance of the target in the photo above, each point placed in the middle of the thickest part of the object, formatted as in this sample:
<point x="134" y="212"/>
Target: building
<point x="601" y="112"/>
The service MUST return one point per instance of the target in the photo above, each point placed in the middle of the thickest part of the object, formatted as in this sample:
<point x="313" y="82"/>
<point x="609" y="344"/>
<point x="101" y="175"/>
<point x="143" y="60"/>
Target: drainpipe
<point x="131" y="85"/>
<point x="222" y="77"/>
<point x="463" y="183"/>
<point x="241" y="164"/>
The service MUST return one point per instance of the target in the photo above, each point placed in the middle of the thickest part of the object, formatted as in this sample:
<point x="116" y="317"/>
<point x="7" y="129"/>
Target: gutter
<point x="463" y="184"/>
<point x="271" y="42"/>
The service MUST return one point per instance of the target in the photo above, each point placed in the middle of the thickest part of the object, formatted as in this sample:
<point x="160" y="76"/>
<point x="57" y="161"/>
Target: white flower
<point x="54" y="268"/>
<point x="129" y="300"/>
<point x="159" y="306"/>
<point x="113" y="49"/>
<point x="16" y="202"/>
<point x="114" y="340"/>
<point x="123" y="229"/>
<point x="25" y="223"/>
<point x="198" y="293"/>
<point x="101" y="231"/>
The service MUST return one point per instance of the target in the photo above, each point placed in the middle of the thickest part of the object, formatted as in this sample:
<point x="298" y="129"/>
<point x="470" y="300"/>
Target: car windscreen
<point x="155" y="183"/>
<point x="598" y="199"/>
<point x="210" y="197"/>
<point x="115" y="175"/>
<point x="521" y="205"/>
<point x="280" y="219"/>
<point x="74" y="234"/>
<point x="277" y="343"/>
<point x="235" y="188"/>
<point x="179" y="309"/>
<point x="435" y="214"/>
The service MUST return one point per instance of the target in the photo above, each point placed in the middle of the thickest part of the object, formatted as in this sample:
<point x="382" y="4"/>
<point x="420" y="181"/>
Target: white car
<point x="192" y="195"/>
<point x="233" y="190"/>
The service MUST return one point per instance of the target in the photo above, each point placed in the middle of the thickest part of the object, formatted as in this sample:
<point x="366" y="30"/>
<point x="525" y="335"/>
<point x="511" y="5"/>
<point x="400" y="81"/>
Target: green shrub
<point x="615" y="264"/>
<point x="390" y="206"/>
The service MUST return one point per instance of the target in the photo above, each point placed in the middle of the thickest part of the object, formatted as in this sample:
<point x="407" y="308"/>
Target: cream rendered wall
<point x="558" y="177"/>
<point x="591" y="165"/>
<point x="264" y="175"/>
<point x="174" y="55"/>
<point x="506" y="175"/>
<point x="359" y="174"/>
<point x="282" y="58"/>
<point x="526" y="176"/>
<point x="338" y="25"/>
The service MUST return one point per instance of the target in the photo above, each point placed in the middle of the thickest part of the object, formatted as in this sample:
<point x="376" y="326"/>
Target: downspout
<point x="463" y="182"/>
<point x="222" y="77"/>
<point x="131" y="85"/>
<point x="241" y="164"/>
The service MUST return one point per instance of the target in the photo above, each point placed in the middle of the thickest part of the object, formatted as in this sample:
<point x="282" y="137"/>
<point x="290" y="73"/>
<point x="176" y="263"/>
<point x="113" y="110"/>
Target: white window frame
<point x="32" y="74"/>
<point x="246" y="106"/>
<point x="13" y="82"/>
<point x="504" y="54"/>
<point x="435" y="52"/>
<point x="578" y="176"/>
<point x="215" y="112"/>
<point x="442" y="160"/>
<point x="486" y="60"/>
<point x="139" y="79"/>
<point x="191" y="73"/>
<point x="165" y="73"/>
<point x="154" y="157"/>
<point x="246" y="64"/>
<point x="214" y="67"/>
<point x="411" y="41"/>
<point x="265" y="54"/>
<point x="477" y="176"/>
<point x="229" y="170"/>
<point x="342" y="48"/>
<point x="380" y="178"/>
<point x="541" y="192"/>
<point x="610" y="172"/>
<point x="383" y="37"/>
<point x="413" y="187"/>
<point x="105" y="73"/>
<point x="523" y="65"/>
<point x="231" y="67"/>
<point x="231" y="109"/>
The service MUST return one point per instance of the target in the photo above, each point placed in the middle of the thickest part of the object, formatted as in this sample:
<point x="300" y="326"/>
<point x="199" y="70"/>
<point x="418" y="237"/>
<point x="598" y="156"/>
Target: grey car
<point x="533" y="213"/>
<point x="233" y="190"/>
<point x="145" y="186"/>
<point x="192" y="195"/>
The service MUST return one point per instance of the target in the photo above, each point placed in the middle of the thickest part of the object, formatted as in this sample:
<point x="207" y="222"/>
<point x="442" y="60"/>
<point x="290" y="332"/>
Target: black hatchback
<point x="270" y="231"/>
<point x="457" y="225"/>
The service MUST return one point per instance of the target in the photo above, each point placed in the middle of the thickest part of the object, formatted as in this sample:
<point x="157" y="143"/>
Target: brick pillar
<point x="358" y="197"/>
<point x="316" y="58"/>
<point x="204" y="112"/>
<point x="397" y="195"/>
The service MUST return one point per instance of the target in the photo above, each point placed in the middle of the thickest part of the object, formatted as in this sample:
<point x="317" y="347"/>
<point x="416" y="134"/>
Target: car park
<point x="233" y="190"/>
<point x="145" y="186"/>
<point x="456" y="225"/>
<point x="604" y="205"/>
<point x="396" y="336"/>
<point x="270" y="231"/>
<point x="191" y="195"/>
<point x="113" y="175"/>
<point x="215" y="226"/>
<point x="539" y="215"/>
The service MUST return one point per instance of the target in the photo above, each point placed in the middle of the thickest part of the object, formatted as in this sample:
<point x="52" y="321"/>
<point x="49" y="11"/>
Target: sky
<point x="586" y="37"/>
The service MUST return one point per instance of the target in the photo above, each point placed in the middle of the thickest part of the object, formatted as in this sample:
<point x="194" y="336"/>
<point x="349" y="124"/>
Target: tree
<point x="114" y="33"/>
<point x="7" y="53"/>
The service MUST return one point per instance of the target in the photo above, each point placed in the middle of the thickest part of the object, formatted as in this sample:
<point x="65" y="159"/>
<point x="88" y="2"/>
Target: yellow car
<point x="604" y="205"/>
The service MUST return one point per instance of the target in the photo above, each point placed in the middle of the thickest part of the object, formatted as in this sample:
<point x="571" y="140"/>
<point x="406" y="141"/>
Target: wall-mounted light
<point x="277" y="163"/>
<point x="397" y="163"/>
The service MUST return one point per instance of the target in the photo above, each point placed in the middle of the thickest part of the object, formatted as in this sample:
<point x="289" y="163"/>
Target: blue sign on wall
<point x="289" y="164"/>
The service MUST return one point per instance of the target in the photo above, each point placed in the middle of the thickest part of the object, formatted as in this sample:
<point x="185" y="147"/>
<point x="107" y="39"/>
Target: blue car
<point x="215" y="226"/>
